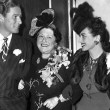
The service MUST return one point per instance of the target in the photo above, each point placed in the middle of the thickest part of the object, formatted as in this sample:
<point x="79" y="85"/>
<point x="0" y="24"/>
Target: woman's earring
<point x="96" y="42"/>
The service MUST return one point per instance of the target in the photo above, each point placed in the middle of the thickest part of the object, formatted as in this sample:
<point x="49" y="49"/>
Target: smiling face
<point x="46" y="41"/>
<point x="12" y="20"/>
<point x="87" y="40"/>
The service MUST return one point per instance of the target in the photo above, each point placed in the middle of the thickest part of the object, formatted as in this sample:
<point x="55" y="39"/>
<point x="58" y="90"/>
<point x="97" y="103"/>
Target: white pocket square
<point x="22" y="61"/>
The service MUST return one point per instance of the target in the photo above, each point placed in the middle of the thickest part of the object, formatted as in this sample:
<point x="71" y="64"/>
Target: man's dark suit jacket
<point x="11" y="71"/>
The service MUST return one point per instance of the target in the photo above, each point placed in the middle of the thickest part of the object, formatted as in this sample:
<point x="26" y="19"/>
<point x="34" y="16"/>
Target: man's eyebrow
<point x="17" y="14"/>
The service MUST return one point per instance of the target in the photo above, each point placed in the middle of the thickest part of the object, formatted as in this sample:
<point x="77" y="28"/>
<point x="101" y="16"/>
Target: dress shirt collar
<point x="1" y="40"/>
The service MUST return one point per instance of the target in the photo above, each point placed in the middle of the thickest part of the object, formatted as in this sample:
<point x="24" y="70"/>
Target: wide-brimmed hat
<point x="82" y="16"/>
<point x="45" y="18"/>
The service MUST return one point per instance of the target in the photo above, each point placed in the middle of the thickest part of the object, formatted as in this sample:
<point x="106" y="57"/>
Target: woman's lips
<point x="44" y="45"/>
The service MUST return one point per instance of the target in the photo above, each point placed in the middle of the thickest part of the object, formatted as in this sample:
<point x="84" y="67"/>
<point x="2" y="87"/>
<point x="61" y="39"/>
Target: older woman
<point x="50" y="69"/>
<point x="49" y="73"/>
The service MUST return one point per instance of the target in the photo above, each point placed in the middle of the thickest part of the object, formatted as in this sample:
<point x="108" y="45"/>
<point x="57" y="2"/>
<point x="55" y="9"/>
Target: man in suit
<point x="15" y="54"/>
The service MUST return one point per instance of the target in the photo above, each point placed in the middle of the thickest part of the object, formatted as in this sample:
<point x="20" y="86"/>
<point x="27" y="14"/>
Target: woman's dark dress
<point x="95" y="93"/>
<point x="92" y="98"/>
<point x="39" y="88"/>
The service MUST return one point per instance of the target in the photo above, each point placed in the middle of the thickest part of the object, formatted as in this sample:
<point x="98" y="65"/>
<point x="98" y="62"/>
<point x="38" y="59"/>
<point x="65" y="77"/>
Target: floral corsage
<point x="108" y="63"/>
<point x="55" y="62"/>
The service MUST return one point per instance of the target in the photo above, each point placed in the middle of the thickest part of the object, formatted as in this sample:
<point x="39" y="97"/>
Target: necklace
<point x="92" y="62"/>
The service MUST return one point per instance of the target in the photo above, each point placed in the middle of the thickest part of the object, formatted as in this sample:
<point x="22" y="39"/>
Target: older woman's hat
<point x="45" y="18"/>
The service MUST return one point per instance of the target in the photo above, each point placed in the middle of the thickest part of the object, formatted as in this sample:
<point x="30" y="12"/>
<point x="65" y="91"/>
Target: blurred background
<point x="31" y="8"/>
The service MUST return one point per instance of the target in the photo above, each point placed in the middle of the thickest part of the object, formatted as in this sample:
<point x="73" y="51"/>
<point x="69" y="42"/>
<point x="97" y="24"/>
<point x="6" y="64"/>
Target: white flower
<point x="49" y="81"/>
<point x="46" y="77"/>
<point x="108" y="62"/>
<point x="17" y="52"/>
<point x="21" y="85"/>
<point x="66" y="63"/>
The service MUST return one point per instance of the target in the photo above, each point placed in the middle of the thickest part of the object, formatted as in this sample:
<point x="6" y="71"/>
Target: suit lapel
<point x="13" y="43"/>
<point x="12" y="59"/>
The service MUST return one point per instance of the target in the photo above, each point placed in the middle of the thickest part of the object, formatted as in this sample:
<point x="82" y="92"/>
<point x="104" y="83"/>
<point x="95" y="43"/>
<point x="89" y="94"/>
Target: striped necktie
<point x="4" y="49"/>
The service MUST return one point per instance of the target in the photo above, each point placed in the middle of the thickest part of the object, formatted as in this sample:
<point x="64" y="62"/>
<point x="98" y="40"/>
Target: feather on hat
<point x="45" y="18"/>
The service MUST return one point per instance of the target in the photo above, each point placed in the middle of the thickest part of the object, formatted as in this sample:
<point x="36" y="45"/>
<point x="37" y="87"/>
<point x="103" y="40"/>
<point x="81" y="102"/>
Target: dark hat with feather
<point x="81" y="16"/>
<point x="45" y="18"/>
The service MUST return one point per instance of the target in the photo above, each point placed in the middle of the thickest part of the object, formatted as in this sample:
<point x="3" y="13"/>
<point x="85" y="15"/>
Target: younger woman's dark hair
<point x="5" y="6"/>
<point x="98" y="27"/>
<point x="55" y="30"/>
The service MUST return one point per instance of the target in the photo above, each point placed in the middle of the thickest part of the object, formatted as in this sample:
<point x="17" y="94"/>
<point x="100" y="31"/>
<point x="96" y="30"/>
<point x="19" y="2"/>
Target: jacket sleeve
<point x="26" y="67"/>
<point x="28" y="58"/>
<point x="73" y="93"/>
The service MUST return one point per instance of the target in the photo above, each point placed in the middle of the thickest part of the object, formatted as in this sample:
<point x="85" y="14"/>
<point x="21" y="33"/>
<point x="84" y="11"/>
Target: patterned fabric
<point x="4" y="49"/>
<point x="48" y="77"/>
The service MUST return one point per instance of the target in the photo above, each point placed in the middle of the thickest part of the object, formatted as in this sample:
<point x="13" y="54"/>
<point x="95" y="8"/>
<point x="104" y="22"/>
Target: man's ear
<point x="1" y="18"/>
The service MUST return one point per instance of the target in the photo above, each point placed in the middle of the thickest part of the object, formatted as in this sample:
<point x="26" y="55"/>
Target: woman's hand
<point x="51" y="103"/>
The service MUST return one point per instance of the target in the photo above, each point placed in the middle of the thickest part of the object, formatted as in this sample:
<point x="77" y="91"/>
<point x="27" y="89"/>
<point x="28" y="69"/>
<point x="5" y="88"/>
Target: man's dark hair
<point x="5" y="6"/>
